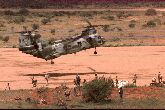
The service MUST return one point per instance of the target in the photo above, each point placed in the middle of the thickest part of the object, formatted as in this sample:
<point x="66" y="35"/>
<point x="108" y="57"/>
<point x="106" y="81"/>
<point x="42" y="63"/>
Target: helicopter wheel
<point x="95" y="52"/>
<point x="52" y="62"/>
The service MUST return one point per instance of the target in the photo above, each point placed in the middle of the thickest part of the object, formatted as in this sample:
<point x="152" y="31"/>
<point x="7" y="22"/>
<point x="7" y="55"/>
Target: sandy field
<point x="17" y="67"/>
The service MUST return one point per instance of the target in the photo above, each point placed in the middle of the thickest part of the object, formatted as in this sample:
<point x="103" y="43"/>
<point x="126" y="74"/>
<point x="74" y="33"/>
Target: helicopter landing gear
<point x="95" y="52"/>
<point x="52" y="62"/>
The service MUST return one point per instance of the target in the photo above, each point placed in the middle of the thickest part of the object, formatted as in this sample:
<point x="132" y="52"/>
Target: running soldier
<point x="121" y="93"/>
<point x="34" y="82"/>
<point x="75" y="87"/>
<point x="47" y="78"/>
<point x="8" y="87"/>
<point x="117" y="82"/>
<point x="78" y="79"/>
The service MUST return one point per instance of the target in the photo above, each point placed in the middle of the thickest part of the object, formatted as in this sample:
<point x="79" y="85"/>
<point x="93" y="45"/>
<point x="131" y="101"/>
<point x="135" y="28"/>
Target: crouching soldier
<point x="154" y="80"/>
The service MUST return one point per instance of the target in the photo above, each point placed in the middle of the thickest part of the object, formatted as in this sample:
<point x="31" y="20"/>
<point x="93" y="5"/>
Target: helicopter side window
<point x="79" y="44"/>
<point x="89" y="40"/>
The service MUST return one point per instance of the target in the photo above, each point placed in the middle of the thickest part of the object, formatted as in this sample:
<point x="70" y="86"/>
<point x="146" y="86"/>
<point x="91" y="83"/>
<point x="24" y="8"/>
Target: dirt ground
<point x="17" y="68"/>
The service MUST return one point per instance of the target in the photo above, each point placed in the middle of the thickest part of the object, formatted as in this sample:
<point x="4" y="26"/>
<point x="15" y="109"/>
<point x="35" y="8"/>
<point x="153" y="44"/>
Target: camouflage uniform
<point x="47" y="77"/>
<point x="121" y="92"/>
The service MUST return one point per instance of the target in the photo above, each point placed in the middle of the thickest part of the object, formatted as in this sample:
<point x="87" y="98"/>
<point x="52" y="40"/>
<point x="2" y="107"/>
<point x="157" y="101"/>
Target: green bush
<point x="151" y="12"/>
<point x="120" y="15"/>
<point x="97" y="90"/>
<point x="45" y="21"/>
<point x="132" y="25"/>
<point x="105" y="28"/>
<point x="9" y="12"/>
<point x="85" y="14"/>
<point x="53" y="31"/>
<point x="130" y="86"/>
<point x="35" y="26"/>
<point x="19" y="19"/>
<point x="151" y="24"/>
<point x="23" y="11"/>
<point x="110" y="17"/>
<point x="5" y="38"/>
<point x="115" y="39"/>
<point x="133" y="21"/>
<point x="41" y="90"/>
<point x="157" y="21"/>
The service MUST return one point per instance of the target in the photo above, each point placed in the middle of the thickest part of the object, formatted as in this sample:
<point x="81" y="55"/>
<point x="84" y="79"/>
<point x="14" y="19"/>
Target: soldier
<point x="75" y="87"/>
<point x="34" y="82"/>
<point x="154" y="80"/>
<point x="8" y="86"/>
<point x="78" y="79"/>
<point x="103" y="77"/>
<point x="121" y="93"/>
<point x="47" y="78"/>
<point x="134" y="79"/>
<point x="117" y="82"/>
<point x="159" y="77"/>
<point x="84" y="81"/>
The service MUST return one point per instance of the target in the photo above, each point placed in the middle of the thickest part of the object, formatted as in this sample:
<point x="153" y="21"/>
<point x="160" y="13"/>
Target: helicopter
<point x="31" y="43"/>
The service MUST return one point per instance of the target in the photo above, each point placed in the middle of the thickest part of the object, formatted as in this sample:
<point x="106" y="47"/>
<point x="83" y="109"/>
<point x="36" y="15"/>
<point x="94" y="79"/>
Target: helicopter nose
<point x="103" y="40"/>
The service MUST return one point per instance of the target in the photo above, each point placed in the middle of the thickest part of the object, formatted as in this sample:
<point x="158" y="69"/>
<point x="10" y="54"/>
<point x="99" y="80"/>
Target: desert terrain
<point x="135" y="44"/>
<point x="17" y="68"/>
<point x="120" y="27"/>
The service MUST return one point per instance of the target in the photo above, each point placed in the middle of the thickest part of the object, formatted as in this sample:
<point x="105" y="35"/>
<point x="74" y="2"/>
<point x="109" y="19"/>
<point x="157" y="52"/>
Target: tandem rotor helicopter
<point x="30" y="43"/>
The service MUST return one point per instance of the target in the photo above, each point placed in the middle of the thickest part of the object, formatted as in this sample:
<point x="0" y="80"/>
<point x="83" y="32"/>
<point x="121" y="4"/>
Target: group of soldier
<point x="159" y="79"/>
<point x="34" y="81"/>
<point x="77" y="82"/>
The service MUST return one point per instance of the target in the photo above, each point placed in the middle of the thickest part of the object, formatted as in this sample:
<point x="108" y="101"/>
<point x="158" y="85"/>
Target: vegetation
<point x="53" y="31"/>
<point x="130" y="86"/>
<point x="35" y="26"/>
<point x="45" y="21"/>
<point x="97" y="90"/>
<point x="151" y="12"/>
<point x="115" y="39"/>
<point x="9" y="12"/>
<point x="4" y="38"/>
<point x="132" y="25"/>
<point x="151" y="24"/>
<point x="19" y="19"/>
<point x="23" y="11"/>
<point x="106" y="28"/>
